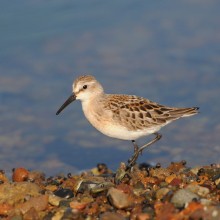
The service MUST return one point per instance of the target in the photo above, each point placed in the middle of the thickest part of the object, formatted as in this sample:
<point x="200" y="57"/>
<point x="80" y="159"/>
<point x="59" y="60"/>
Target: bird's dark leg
<point x="135" y="146"/>
<point x="139" y="150"/>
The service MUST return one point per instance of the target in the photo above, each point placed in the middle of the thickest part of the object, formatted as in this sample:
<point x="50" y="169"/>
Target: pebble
<point x="195" y="170"/>
<point x="93" y="208"/>
<point x="64" y="193"/>
<point x="160" y="173"/>
<point x="5" y="208"/>
<point x="40" y="183"/>
<point x="205" y="202"/>
<point x="77" y="205"/>
<point x="39" y="203"/>
<point x="71" y="213"/>
<point x="34" y="175"/>
<point x="3" y="177"/>
<point x="14" y="193"/>
<point x="86" y="199"/>
<point x="16" y="217"/>
<point x="53" y="188"/>
<point x="143" y="216"/>
<point x="20" y="175"/>
<point x="199" y="190"/>
<point x="65" y="203"/>
<point x="31" y="214"/>
<point x="111" y="216"/>
<point x="54" y="200"/>
<point x="161" y="193"/>
<point x="168" y="196"/>
<point x="192" y="206"/>
<point x="170" y="178"/>
<point x="175" y="182"/>
<point x="118" y="199"/>
<point x="58" y="216"/>
<point x="69" y="183"/>
<point x="182" y="196"/>
<point x="175" y="167"/>
<point x="151" y="193"/>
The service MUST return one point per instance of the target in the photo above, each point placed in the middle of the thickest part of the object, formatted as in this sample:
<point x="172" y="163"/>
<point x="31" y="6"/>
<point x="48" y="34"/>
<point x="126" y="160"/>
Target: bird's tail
<point x="183" y="112"/>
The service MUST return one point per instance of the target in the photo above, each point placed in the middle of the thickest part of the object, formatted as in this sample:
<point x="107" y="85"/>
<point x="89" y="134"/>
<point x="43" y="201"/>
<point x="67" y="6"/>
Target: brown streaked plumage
<point x="126" y="117"/>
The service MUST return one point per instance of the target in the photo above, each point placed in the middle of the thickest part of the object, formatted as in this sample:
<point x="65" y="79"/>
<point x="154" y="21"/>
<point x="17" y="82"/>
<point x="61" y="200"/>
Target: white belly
<point x="120" y="132"/>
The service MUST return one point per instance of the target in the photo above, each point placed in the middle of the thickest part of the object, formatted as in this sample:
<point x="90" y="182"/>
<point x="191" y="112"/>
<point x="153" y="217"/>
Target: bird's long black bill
<point x="67" y="102"/>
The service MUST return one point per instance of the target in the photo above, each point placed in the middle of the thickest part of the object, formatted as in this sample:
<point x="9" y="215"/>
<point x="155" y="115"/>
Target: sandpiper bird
<point x="126" y="117"/>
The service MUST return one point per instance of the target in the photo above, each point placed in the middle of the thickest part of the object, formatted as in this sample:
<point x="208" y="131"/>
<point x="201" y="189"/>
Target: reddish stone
<point x="69" y="183"/>
<point x="175" y="182"/>
<point x="203" y="179"/>
<point x="158" y="208"/>
<point x="175" y="167"/>
<point x="125" y="188"/>
<point x="77" y="205"/>
<point x="163" y="209"/>
<point x="193" y="206"/>
<point x="207" y="186"/>
<point x="101" y="200"/>
<point x="170" y="178"/>
<point x="91" y="209"/>
<point x="150" y="180"/>
<point x="135" y="211"/>
<point x="20" y="175"/>
<point x="4" y="208"/>
<point x="143" y="216"/>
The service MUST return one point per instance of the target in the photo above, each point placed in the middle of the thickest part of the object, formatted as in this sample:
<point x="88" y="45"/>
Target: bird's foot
<point x="132" y="161"/>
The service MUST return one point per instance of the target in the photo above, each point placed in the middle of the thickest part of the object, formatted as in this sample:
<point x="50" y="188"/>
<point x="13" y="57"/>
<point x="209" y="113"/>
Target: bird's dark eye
<point x="85" y="86"/>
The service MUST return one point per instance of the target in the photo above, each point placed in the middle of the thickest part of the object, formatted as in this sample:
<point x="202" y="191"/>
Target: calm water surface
<point x="168" y="52"/>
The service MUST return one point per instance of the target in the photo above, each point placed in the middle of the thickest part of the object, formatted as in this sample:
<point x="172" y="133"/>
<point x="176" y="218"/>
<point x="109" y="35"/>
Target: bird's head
<point x="84" y="88"/>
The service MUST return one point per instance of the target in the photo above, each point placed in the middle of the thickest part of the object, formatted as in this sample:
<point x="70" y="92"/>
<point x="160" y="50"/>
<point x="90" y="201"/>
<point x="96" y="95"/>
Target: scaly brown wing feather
<point x="137" y="113"/>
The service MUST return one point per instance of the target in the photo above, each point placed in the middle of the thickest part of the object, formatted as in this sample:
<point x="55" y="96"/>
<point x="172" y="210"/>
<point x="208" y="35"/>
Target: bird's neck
<point x="92" y="103"/>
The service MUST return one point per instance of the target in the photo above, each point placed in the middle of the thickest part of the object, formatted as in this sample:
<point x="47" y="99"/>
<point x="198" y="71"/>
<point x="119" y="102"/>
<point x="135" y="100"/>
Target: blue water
<point x="167" y="51"/>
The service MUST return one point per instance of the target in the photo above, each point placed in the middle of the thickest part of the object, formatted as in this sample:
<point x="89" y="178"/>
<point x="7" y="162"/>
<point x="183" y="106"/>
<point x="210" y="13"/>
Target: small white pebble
<point x="215" y="213"/>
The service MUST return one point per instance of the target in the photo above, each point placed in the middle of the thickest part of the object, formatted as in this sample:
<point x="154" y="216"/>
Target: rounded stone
<point x="4" y="208"/>
<point x="14" y="193"/>
<point x="39" y="203"/>
<point x="118" y="199"/>
<point x="143" y="216"/>
<point x="65" y="203"/>
<point x="34" y="175"/>
<point x="199" y="190"/>
<point x="64" y="193"/>
<point x="20" y="174"/>
<point x="31" y="214"/>
<point x="111" y="216"/>
<point x="54" y="200"/>
<point x="182" y="196"/>
<point x="161" y="193"/>
<point x="77" y="205"/>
